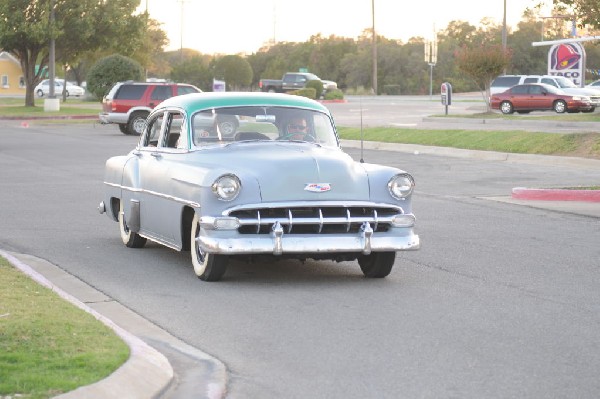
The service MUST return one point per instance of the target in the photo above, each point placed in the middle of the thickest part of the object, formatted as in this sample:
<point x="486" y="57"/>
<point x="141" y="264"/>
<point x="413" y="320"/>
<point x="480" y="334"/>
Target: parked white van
<point x="505" y="82"/>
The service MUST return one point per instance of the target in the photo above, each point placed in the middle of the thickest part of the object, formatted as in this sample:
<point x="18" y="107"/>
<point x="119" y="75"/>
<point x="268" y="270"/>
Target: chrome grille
<point x="315" y="220"/>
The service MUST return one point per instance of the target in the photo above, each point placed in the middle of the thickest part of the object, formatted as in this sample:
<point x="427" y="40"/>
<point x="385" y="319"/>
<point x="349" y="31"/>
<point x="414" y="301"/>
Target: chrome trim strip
<point x="156" y="194"/>
<point x="161" y="241"/>
<point x="313" y="204"/>
<point x="271" y="244"/>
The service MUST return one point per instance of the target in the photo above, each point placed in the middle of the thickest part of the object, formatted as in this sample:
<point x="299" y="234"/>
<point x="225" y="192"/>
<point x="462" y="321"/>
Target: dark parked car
<point x="525" y="98"/>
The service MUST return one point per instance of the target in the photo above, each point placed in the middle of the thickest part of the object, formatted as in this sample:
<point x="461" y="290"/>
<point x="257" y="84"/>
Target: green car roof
<point x="195" y="101"/>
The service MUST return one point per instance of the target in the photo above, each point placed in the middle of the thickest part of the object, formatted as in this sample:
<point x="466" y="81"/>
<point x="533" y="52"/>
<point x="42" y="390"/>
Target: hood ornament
<point x="317" y="187"/>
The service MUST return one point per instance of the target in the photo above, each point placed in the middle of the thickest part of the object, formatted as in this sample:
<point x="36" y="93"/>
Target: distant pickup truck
<point x="293" y="81"/>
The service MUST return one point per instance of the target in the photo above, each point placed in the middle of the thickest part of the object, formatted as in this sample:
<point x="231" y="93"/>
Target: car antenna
<point x="362" y="160"/>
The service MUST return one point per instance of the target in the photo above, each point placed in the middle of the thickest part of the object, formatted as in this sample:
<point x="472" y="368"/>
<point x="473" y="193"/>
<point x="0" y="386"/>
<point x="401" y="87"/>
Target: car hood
<point x="581" y="91"/>
<point x="297" y="171"/>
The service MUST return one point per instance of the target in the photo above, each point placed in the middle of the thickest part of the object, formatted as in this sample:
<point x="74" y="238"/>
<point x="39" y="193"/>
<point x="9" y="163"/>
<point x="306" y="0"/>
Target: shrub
<point x="317" y="85"/>
<point x="309" y="92"/>
<point x="336" y="94"/>
<point x="112" y="69"/>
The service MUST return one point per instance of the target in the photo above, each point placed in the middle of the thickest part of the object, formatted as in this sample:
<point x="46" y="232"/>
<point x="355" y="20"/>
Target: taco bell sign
<point x="568" y="60"/>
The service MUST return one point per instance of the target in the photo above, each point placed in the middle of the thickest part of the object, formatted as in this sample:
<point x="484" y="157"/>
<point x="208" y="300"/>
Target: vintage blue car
<point x="278" y="186"/>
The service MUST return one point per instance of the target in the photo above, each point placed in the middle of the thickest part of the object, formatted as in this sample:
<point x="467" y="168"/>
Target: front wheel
<point x="560" y="106"/>
<point x="123" y="128"/>
<point x="40" y="93"/>
<point x="377" y="264"/>
<point x="129" y="238"/>
<point x="506" y="107"/>
<point x="208" y="267"/>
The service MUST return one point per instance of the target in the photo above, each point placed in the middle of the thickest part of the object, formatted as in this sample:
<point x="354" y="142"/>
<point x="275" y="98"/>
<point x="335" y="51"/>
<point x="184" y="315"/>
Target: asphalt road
<point x="501" y="301"/>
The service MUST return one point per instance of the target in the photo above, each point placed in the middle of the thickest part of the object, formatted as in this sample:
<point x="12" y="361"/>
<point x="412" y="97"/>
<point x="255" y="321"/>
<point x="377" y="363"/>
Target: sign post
<point x="446" y="91"/>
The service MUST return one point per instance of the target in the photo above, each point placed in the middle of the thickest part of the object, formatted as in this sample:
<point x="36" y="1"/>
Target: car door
<point x="537" y="100"/>
<point x="519" y="96"/>
<point x="159" y="154"/>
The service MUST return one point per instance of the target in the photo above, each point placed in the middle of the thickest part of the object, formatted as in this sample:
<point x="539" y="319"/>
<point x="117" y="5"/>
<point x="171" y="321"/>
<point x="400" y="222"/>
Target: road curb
<point x="540" y="194"/>
<point x="146" y="374"/>
<point x="44" y="118"/>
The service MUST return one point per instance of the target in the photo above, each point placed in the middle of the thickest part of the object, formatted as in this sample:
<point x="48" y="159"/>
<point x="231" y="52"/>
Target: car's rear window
<point x="130" y="92"/>
<point x="505" y="81"/>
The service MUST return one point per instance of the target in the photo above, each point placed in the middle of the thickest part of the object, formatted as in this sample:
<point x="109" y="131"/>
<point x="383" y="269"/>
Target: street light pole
<point x="51" y="103"/>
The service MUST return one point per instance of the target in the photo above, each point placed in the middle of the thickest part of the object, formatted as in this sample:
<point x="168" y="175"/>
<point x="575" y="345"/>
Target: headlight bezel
<point x="401" y="186"/>
<point x="227" y="187"/>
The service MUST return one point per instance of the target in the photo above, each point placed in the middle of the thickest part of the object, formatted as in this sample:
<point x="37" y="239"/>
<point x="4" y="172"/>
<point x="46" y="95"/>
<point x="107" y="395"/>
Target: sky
<point x="243" y="26"/>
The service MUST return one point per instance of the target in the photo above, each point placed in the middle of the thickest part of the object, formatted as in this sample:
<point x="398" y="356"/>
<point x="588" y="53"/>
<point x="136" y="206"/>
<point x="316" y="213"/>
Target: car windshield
<point x="218" y="126"/>
<point x="565" y="83"/>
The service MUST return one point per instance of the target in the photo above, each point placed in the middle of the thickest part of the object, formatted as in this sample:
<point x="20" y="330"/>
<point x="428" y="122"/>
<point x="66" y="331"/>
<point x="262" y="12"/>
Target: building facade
<point x="12" y="81"/>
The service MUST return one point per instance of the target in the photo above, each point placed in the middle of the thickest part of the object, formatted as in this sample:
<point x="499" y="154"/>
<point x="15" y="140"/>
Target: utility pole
<point x="504" y="33"/>
<point x="374" y="50"/>
<point x="504" y="29"/>
<point x="181" y="31"/>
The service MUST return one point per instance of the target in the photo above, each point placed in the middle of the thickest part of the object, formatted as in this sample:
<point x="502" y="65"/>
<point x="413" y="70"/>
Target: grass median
<point x="585" y="145"/>
<point x="47" y="345"/>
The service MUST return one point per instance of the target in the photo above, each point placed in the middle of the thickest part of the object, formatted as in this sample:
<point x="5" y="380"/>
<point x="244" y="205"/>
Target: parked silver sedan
<point x="279" y="186"/>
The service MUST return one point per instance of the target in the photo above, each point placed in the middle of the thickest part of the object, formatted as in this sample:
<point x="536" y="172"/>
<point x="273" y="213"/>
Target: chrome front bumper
<point x="278" y="243"/>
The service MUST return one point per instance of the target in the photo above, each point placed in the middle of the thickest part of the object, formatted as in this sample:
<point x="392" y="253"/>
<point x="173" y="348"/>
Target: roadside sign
<point x="446" y="91"/>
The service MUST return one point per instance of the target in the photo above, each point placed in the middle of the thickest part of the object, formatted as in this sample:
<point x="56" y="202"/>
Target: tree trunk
<point x="28" y="59"/>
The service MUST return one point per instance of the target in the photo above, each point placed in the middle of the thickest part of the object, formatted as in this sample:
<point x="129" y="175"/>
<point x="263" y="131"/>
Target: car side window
<point x="519" y="90"/>
<point x="161" y="93"/>
<point x="173" y="131"/>
<point x="535" y="90"/>
<point x="549" y="81"/>
<point x="152" y="133"/>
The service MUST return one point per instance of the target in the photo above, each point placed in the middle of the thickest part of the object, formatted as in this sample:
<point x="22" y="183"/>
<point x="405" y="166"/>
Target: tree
<point x="234" y="70"/>
<point x="110" y="70"/>
<point x="194" y="71"/>
<point x="80" y="26"/>
<point x="586" y="12"/>
<point x="483" y="64"/>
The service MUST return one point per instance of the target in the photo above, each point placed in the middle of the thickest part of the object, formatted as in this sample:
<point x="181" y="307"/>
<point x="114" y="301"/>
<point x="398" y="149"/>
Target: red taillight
<point x="259" y="84"/>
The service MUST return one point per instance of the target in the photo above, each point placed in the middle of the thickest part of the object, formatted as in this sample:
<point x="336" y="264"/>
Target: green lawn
<point x="513" y="141"/>
<point x="47" y="345"/>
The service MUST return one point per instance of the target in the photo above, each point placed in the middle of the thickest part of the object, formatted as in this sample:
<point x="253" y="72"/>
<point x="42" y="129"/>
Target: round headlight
<point x="227" y="187"/>
<point x="401" y="186"/>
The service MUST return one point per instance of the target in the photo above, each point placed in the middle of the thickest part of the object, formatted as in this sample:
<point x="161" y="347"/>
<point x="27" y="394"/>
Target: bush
<point x="336" y="94"/>
<point x="391" y="89"/>
<point x="112" y="69"/>
<point x="317" y="85"/>
<point x="309" y="92"/>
